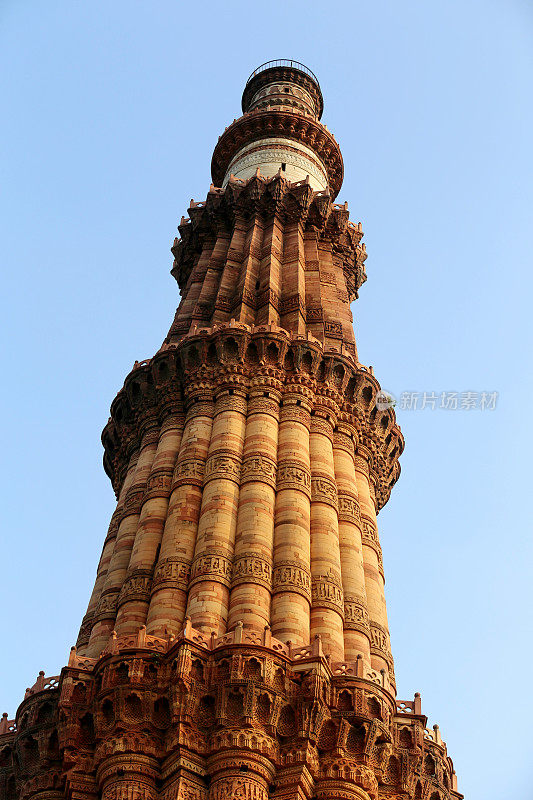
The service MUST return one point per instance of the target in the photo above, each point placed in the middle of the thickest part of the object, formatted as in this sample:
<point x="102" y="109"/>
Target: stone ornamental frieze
<point x="236" y="643"/>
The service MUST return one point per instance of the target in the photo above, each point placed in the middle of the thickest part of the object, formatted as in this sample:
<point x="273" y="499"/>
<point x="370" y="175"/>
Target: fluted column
<point x="107" y="605"/>
<point x="333" y="789"/>
<point x="134" y="596"/>
<point x="213" y="556"/>
<point x="171" y="577"/>
<point x="229" y="781"/>
<point x="231" y="272"/>
<point x="124" y="777"/>
<point x="195" y="283"/>
<point x="292" y="311"/>
<point x="244" y="310"/>
<point x="46" y="794"/>
<point x="327" y="610"/>
<point x="373" y="566"/>
<point x="107" y="552"/>
<point x="291" y="580"/>
<point x="206" y="300"/>
<point x="356" y="624"/>
<point x="269" y="291"/>
<point x="252" y="565"/>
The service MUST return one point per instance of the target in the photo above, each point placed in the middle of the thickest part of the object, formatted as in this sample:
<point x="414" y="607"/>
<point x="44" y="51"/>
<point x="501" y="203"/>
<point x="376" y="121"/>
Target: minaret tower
<point x="236" y="642"/>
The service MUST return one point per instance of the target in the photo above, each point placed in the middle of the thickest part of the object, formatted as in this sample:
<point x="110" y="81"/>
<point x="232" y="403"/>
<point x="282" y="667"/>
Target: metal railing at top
<point x="283" y="62"/>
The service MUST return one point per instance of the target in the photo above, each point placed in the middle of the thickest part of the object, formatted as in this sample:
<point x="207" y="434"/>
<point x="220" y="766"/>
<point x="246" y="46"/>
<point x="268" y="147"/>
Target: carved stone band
<point x="335" y="787"/>
<point x="356" y="614"/>
<point x="85" y="630"/>
<point x="230" y="402"/>
<point x="324" y="490"/>
<point x="171" y="573"/>
<point x="189" y="471"/>
<point x="291" y="576"/>
<point x="327" y="593"/>
<point x="200" y="408"/>
<point x="350" y="346"/>
<point x="322" y="426"/>
<point x="223" y="465"/>
<point x="184" y="789"/>
<point x="349" y="510"/>
<point x="172" y="421"/>
<point x="292" y="303"/>
<point x="107" y="605"/>
<point x="294" y="413"/>
<point x="259" y="468"/>
<point x="264" y="405"/>
<point x="211" y="567"/>
<point x="151" y="436"/>
<point x="268" y="297"/>
<point x="380" y="564"/>
<point x="251" y="569"/>
<point x="113" y="524"/>
<point x="313" y="313"/>
<point x="137" y="586"/>
<point x="380" y="642"/>
<point x="379" y="637"/>
<point x="361" y="465"/>
<point x="139" y="767"/>
<point x="369" y="538"/>
<point x="125" y="790"/>
<point x="294" y="475"/>
<point x="333" y="329"/>
<point x="343" y="441"/>
<point x="159" y="483"/>
<point x="369" y="532"/>
<point x="133" y="502"/>
<point x="245" y="788"/>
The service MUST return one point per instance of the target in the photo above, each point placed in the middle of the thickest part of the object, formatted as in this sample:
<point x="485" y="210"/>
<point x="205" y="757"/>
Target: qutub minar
<point x="236" y="641"/>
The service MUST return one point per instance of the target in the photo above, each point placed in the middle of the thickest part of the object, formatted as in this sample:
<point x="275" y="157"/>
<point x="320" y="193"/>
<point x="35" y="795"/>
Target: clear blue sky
<point x="110" y="115"/>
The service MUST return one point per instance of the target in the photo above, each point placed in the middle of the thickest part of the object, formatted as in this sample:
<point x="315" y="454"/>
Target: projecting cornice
<point x="285" y="124"/>
<point x="271" y="196"/>
<point x="238" y="358"/>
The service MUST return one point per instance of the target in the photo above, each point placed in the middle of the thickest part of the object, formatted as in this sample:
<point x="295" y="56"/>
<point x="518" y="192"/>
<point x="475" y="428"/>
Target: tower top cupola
<point x="280" y="131"/>
<point x="283" y="84"/>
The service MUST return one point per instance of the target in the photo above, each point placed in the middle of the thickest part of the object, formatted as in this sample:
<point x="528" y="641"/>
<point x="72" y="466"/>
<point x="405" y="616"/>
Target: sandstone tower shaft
<point x="236" y="641"/>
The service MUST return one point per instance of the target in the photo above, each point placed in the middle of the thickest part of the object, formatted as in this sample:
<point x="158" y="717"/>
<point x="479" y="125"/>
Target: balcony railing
<point x="283" y="62"/>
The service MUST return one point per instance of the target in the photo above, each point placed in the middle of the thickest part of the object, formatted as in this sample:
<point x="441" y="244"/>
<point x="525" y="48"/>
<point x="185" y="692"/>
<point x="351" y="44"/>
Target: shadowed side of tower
<point x="236" y="641"/>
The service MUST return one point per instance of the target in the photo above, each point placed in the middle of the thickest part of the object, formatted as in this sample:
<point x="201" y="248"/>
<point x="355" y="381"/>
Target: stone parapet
<point x="204" y="716"/>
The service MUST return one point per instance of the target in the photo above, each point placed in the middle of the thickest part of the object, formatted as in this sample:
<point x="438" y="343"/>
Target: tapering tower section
<point x="271" y="246"/>
<point x="236" y="642"/>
